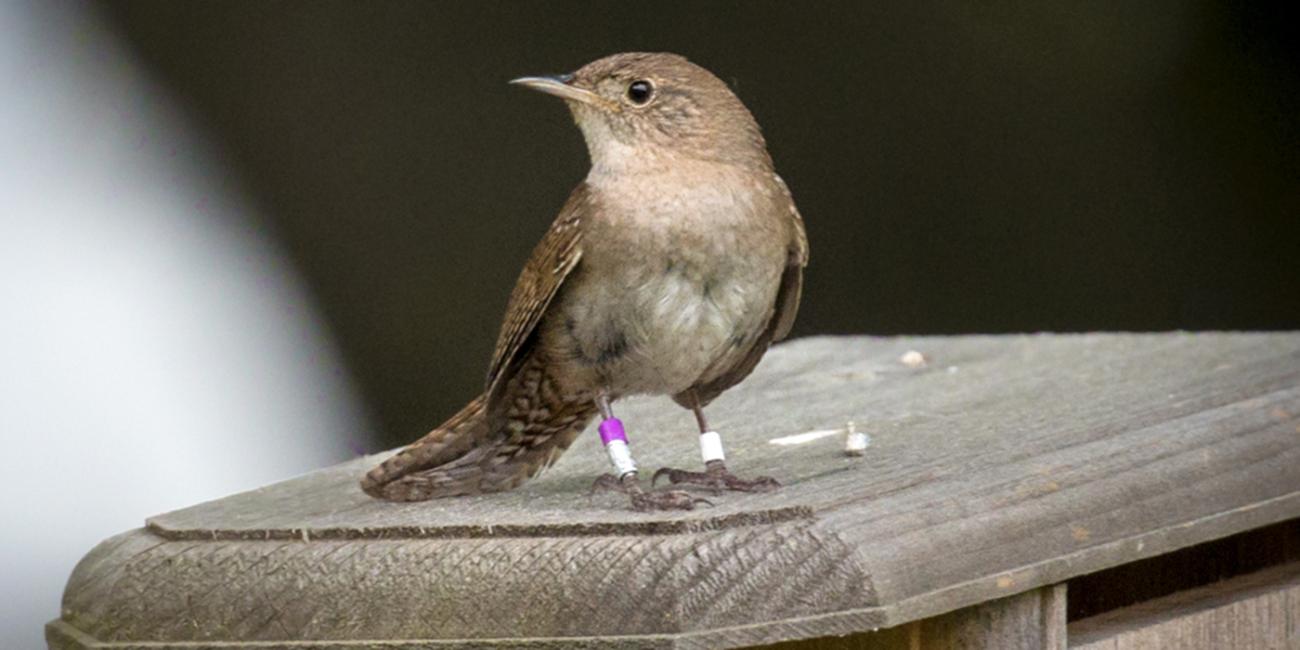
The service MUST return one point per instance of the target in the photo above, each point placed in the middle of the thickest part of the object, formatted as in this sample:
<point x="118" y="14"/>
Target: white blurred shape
<point x="155" y="350"/>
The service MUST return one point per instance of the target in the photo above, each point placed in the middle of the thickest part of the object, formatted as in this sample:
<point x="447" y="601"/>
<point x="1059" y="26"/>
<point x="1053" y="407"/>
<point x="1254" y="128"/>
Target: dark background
<point x="961" y="166"/>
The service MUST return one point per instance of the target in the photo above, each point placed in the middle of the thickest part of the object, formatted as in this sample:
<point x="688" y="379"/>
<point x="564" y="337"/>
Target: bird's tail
<point x="468" y="455"/>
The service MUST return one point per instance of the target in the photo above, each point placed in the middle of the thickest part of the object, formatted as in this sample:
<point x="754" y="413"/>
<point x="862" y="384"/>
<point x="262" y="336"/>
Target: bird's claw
<point x="606" y="483"/>
<point x="676" y="476"/>
<point x="666" y="500"/>
<point x="643" y="501"/>
<point x="716" y="478"/>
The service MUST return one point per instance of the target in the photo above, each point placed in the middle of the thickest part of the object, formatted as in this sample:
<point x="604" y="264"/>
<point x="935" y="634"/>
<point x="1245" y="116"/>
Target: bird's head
<point x="640" y="109"/>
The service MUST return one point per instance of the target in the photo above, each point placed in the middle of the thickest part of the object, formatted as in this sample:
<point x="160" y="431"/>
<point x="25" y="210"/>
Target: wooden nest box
<point x="1083" y="491"/>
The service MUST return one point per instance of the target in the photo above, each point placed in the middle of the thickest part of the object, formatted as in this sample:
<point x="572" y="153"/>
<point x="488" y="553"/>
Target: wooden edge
<point x="647" y="527"/>
<point x="1197" y="602"/>
<point x="842" y="622"/>
<point x="1051" y="612"/>
<point x="62" y="635"/>
<point x="1092" y="559"/>
<point x="79" y="625"/>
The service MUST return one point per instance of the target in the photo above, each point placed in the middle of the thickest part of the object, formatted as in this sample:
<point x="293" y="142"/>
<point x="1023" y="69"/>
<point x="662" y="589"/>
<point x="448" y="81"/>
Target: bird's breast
<point x="663" y="297"/>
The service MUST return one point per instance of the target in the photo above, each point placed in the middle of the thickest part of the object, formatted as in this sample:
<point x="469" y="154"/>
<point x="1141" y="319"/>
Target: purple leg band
<point x="611" y="430"/>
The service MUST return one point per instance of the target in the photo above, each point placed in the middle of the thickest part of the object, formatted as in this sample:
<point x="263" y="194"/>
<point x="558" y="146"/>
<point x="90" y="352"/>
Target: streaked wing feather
<point x="787" y="300"/>
<point x="551" y="262"/>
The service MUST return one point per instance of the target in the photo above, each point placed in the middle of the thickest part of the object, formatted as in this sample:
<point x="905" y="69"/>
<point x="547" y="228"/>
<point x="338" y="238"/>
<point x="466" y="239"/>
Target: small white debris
<point x="801" y="438"/>
<point x="913" y="359"/>
<point x="855" y="442"/>
<point x="952" y="370"/>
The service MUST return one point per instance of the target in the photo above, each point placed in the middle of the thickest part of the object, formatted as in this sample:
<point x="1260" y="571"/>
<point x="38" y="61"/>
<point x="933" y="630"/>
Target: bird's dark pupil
<point x="639" y="92"/>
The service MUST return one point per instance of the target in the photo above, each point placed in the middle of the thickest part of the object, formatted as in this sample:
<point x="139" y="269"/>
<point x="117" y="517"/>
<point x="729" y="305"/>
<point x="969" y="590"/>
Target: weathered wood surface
<point x="1185" y="569"/>
<point x="1005" y="465"/>
<point x="1259" y="611"/>
<point x="1033" y="620"/>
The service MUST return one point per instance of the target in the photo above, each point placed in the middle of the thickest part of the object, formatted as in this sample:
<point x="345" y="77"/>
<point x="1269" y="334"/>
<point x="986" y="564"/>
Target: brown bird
<point x="669" y="271"/>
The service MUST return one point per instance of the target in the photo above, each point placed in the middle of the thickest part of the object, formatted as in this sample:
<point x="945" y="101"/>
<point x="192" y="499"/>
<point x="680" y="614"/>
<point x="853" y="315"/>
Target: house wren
<point x="669" y="271"/>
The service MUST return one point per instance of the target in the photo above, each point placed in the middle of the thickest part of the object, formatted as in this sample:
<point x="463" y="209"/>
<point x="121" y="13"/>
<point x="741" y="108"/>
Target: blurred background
<point x="239" y="240"/>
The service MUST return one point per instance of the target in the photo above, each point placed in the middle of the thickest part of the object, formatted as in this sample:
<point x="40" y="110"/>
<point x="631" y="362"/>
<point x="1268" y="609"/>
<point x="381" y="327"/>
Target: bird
<point x="670" y="270"/>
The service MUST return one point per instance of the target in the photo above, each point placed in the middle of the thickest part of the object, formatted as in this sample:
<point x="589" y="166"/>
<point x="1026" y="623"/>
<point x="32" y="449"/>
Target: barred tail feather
<point x="455" y="438"/>
<point x="466" y="455"/>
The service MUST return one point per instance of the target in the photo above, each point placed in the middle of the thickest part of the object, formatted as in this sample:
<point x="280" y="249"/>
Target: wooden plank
<point x="1184" y="569"/>
<point x="1034" y="620"/>
<point x="1259" y="611"/>
<point x="1005" y="465"/>
<point x="1056" y="600"/>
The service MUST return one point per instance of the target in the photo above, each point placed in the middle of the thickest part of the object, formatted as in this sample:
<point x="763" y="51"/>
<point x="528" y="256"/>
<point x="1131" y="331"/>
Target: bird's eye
<point x="640" y="91"/>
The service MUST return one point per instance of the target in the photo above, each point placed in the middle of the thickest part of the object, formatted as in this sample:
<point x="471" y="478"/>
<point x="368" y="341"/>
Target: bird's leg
<point x="624" y="479"/>
<point x="715" y="476"/>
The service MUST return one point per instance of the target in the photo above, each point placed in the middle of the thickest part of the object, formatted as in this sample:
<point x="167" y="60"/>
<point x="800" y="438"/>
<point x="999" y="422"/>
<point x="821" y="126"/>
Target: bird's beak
<point x="560" y="86"/>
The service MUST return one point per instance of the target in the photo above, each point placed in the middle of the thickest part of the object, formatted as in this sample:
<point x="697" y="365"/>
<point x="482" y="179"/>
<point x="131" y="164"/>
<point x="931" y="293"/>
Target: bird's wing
<point x="778" y="326"/>
<point x="787" y="299"/>
<point x="552" y="260"/>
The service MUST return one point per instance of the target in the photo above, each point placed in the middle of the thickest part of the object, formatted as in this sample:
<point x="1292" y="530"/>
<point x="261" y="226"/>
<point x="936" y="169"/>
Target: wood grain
<point x="1005" y="465"/>
<point x="1034" y="620"/>
<point x="1259" y="611"/>
<point x="1184" y="569"/>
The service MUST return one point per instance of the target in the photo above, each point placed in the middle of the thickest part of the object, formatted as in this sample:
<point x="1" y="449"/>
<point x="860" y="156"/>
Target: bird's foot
<point x="643" y="501"/>
<point x="717" y="478"/>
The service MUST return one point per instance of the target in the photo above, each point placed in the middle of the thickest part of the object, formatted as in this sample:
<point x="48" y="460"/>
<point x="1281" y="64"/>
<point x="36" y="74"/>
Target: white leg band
<point x="621" y="457"/>
<point x="711" y="446"/>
